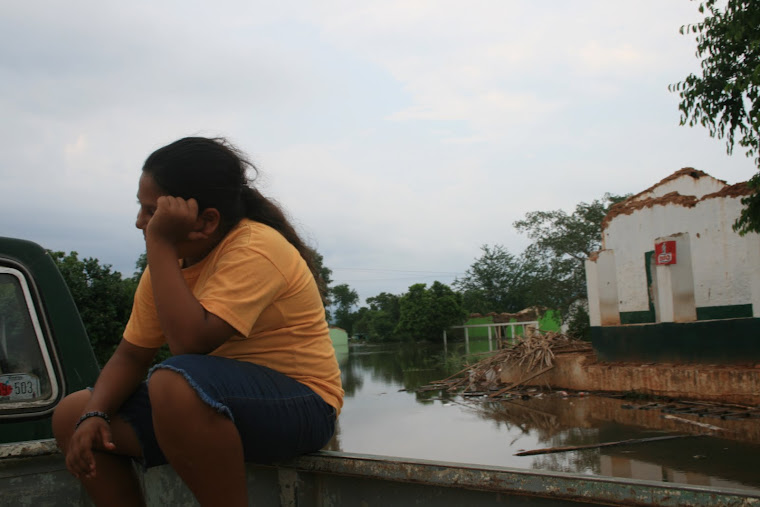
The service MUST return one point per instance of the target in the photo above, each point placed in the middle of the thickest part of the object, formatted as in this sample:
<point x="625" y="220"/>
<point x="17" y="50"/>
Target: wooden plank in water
<point x="631" y="441"/>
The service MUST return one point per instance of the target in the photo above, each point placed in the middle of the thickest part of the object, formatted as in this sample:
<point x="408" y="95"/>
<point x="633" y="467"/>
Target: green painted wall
<point x="479" y="345"/>
<point x="724" y="312"/>
<point x="548" y="322"/>
<point x="339" y="339"/>
<point x="727" y="341"/>
<point x="479" y="332"/>
<point x="703" y="313"/>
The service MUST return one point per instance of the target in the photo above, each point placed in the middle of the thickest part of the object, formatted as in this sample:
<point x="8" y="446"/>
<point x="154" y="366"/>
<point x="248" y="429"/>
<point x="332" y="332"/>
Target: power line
<point x="453" y="273"/>
<point x="393" y="279"/>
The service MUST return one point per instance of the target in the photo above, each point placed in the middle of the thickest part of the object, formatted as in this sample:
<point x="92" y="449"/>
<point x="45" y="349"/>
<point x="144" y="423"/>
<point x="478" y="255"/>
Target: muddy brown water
<point x="384" y="415"/>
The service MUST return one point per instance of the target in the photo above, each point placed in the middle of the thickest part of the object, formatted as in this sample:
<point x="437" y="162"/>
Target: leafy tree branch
<point x="725" y="98"/>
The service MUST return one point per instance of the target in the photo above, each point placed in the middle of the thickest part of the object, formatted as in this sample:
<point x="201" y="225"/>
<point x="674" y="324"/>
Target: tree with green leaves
<point x="561" y="243"/>
<point x="445" y="308"/>
<point x="424" y="313"/>
<point x="360" y="327"/>
<point x="323" y="280"/>
<point x="378" y="321"/>
<point x="725" y="98"/>
<point x="498" y="281"/>
<point x="140" y="265"/>
<point x="344" y="299"/>
<point x="103" y="298"/>
<point x="325" y="273"/>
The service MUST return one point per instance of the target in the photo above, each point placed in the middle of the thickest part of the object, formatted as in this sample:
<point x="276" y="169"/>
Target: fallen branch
<point x="695" y="423"/>
<point x="602" y="444"/>
<point x="717" y="404"/>
<point x="521" y="382"/>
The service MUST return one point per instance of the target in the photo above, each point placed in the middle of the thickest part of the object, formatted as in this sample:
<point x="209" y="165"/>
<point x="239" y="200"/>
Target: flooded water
<point x="384" y="415"/>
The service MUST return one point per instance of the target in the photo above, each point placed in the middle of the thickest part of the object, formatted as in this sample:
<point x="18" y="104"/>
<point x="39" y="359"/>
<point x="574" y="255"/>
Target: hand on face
<point x="175" y="220"/>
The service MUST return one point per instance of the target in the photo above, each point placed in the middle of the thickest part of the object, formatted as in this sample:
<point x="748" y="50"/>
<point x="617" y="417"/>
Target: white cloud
<point x="596" y="56"/>
<point x="400" y="135"/>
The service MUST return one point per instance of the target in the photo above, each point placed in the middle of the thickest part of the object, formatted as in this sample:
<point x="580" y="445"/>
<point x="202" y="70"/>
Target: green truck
<point x="45" y="355"/>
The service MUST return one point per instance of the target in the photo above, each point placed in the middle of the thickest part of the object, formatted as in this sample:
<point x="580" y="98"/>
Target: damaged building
<point x="674" y="281"/>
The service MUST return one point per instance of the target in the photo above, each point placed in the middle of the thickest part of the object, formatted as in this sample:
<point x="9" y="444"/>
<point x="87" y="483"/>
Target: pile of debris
<point x="533" y="354"/>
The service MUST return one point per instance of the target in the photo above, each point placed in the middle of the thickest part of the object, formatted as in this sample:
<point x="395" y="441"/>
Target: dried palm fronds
<point x="536" y="350"/>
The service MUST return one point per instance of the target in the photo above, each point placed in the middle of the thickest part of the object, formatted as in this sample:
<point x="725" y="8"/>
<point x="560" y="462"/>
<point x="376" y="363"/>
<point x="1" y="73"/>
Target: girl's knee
<point x="169" y="393"/>
<point x="164" y="386"/>
<point x="173" y="399"/>
<point x="67" y="414"/>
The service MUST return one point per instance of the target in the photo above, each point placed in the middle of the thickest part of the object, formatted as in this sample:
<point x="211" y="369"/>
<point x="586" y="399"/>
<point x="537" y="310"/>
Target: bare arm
<point x="119" y="379"/>
<point x="189" y="328"/>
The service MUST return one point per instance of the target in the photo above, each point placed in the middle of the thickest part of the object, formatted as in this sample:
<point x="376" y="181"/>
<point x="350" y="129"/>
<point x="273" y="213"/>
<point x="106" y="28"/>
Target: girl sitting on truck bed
<point x="231" y="288"/>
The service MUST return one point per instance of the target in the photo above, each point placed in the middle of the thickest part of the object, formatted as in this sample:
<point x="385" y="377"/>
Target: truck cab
<point x="44" y="350"/>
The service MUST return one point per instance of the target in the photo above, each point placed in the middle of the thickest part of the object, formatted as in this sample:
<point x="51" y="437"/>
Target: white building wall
<point x="673" y="284"/>
<point x="592" y="290"/>
<point x="722" y="260"/>
<point x="601" y="281"/>
<point x="685" y="185"/>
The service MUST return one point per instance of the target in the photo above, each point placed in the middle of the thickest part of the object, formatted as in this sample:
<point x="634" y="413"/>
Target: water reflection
<point x="384" y="415"/>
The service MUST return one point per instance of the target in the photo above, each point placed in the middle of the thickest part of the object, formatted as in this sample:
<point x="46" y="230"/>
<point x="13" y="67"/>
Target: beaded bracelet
<point x="95" y="413"/>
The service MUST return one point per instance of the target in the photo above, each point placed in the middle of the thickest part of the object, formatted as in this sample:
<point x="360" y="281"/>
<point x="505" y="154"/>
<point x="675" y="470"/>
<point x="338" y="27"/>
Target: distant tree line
<point x="102" y="296"/>
<point x="549" y="273"/>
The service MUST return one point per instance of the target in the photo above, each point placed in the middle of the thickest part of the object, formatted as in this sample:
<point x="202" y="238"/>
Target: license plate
<point x="19" y="387"/>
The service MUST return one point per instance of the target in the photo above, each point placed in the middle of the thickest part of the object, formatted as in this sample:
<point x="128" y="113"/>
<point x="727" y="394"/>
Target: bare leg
<point x="116" y="483"/>
<point x="201" y="444"/>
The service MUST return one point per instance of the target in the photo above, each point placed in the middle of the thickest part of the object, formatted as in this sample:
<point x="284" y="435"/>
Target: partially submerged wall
<point x="582" y="372"/>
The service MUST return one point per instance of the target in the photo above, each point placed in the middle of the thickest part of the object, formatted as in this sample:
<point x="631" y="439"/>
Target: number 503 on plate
<point x="18" y="387"/>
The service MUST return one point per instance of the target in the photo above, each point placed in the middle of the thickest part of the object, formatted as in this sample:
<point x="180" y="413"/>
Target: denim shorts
<point x="277" y="417"/>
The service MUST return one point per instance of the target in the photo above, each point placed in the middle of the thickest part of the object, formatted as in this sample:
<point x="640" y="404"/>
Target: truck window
<point x="26" y="373"/>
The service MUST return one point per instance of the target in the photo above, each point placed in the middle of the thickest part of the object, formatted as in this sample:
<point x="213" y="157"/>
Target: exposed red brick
<point x="635" y="203"/>
<point x="630" y="205"/>
<point x="737" y="190"/>
<point x="686" y="171"/>
<point x="582" y="372"/>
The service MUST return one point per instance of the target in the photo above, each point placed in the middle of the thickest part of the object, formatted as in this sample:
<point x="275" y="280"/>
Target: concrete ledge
<point x="582" y="372"/>
<point x="28" y="449"/>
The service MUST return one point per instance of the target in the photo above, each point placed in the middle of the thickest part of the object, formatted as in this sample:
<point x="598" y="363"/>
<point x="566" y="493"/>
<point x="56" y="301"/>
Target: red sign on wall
<point x="665" y="253"/>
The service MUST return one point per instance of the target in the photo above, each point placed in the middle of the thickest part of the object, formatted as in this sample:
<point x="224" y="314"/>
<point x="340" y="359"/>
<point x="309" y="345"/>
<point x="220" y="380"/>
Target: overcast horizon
<point x="400" y="136"/>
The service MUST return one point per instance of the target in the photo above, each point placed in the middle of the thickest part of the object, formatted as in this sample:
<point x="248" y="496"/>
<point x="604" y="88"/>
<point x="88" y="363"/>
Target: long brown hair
<point x="214" y="173"/>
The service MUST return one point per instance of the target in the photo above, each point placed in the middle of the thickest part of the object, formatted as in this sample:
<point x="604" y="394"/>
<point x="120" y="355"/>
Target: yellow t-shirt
<point x="258" y="283"/>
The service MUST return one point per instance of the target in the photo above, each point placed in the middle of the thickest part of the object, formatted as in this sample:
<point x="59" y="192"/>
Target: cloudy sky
<point x="399" y="135"/>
